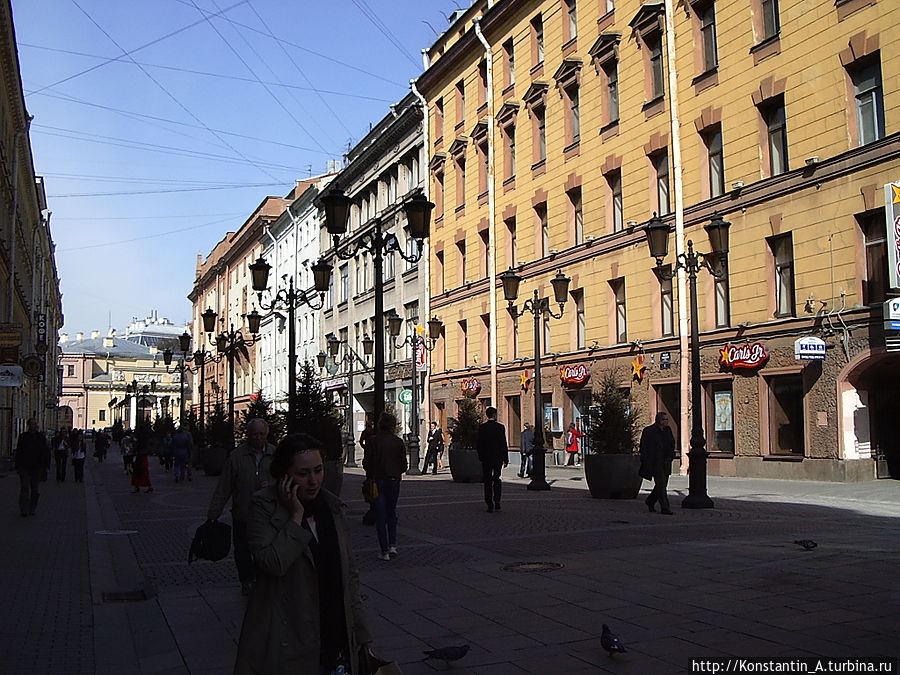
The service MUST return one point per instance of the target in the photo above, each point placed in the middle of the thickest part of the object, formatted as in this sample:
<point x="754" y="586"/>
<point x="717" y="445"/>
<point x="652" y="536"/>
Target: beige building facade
<point x="554" y="138"/>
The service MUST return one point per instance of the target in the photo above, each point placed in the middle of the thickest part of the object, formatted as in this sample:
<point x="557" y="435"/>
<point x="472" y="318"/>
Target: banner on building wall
<point x="750" y="356"/>
<point x="809" y="349"/>
<point x="421" y="355"/>
<point x="892" y="217"/>
<point x="11" y="376"/>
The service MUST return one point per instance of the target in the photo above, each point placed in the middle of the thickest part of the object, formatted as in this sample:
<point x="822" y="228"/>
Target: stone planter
<point x="464" y="464"/>
<point x="613" y="476"/>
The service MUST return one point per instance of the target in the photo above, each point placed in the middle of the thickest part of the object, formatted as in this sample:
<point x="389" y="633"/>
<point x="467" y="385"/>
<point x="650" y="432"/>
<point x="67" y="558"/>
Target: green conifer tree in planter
<point x="611" y="464"/>
<point x="464" y="464"/>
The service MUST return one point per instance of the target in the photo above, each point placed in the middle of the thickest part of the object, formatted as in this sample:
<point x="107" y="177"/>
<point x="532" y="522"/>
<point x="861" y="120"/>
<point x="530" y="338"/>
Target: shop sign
<point x="32" y="365"/>
<point x="809" y="349"/>
<point x="11" y="376"/>
<point x="892" y="213"/>
<point x="891" y="310"/>
<point x="405" y="396"/>
<point x="665" y="360"/>
<point x="577" y="374"/>
<point x="470" y="387"/>
<point x="421" y="355"/>
<point x="748" y="356"/>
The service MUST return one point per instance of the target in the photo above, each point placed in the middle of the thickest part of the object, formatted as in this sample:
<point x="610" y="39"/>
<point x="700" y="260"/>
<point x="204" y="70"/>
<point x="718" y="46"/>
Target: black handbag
<point x="212" y="541"/>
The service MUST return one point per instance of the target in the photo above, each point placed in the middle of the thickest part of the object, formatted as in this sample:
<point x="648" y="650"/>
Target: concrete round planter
<point x="464" y="464"/>
<point x="613" y="476"/>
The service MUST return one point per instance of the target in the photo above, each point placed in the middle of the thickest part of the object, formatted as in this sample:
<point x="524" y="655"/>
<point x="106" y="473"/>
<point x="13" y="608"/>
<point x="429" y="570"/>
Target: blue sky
<point x="150" y="157"/>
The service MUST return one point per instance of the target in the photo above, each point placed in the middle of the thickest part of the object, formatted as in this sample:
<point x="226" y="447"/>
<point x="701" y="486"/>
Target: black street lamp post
<point x="350" y="356"/>
<point x="716" y="264"/>
<point x="184" y="342"/>
<point x="395" y="325"/>
<point x="231" y="344"/>
<point x="290" y="299"/>
<point x="538" y="307"/>
<point x="375" y="241"/>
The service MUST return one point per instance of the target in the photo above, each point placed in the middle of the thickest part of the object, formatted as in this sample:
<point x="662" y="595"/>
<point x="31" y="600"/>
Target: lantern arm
<point x="285" y="298"/>
<point x="715" y="263"/>
<point x="693" y="261"/>
<point x="413" y="340"/>
<point x="348" y="250"/>
<point x="536" y="306"/>
<point x="350" y="355"/>
<point x="392" y="243"/>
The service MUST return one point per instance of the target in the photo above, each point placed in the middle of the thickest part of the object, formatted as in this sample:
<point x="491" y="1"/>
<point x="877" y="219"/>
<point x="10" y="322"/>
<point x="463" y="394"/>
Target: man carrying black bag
<point x="657" y="453"/>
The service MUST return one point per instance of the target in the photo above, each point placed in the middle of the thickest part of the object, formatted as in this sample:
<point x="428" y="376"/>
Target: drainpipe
<point x="675" y="132"/>
<point x="492" y="221"/>
<point x="425" y="267"/>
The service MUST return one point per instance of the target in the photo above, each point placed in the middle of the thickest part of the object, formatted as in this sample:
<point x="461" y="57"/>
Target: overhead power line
<point x="148" y="236"/>
<point x="383" y="29"/>
<point x="240" y="186"/>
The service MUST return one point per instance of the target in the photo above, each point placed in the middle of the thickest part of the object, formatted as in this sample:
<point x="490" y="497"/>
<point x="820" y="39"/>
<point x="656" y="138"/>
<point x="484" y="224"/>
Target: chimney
<point x="63" y="338"/>
<point x="154" y="349"/>
<point x="95" y="334"/>
<point x="108" y="342"/>
<point x="79" y="337"/>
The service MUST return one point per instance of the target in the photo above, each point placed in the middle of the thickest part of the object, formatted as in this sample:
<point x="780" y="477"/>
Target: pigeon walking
<point x="807" y="544"/>
<point x="610" y="642"/>
<point x="447" y="654"/>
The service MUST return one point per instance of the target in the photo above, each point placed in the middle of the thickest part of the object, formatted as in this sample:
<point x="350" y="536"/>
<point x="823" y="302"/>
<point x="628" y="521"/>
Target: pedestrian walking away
<point x="140" y="466"/>
<point x="60" y="444"/>
<point x="493" y="454"/>
<point x="572" y="446"/>
<point x="79" y="454"/>
<point x="126" y="446"/>
<point x="304" y="613"/>
<point x="435" y="446"/>
<point x="657" y="453"/>
<point x="32" y="462"/>
<point x="526" y="449"/>
<point x="101" y="445"/>
<point x="181" y="447"/>
<point x="385" y="463"/>
<point x="246" y="470"/>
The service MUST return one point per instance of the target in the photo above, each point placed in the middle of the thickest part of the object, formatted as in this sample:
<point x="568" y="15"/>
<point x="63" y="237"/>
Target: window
<point x="723" y="302"/>
<point x="618" y="290"/>
<point x="785" y="414"/>
<point x="441" y="279"/>
<point x="545" y="332"/>
<point x="611" y="76"/>
<point x="655" y="64"/>
<point x="875" y="284"/>
<point x="509" y="159"/>
<point x="345" y="283"/>
<point x="614" y="181"/>
<point x="712" y="139"/>
<point x="571" y="20"/>
<point x="463" y="360"/>
<point x="460" y="102"/>
<point x="509" y="53"/>
<point x="439" y="194"/>
<point x="776" y="134"/>
<point x="331" y="291"/>
<point x="719" y="401"/>
<point x="537" y="34"/>
<point x="484" y="235"/>
<point x="439" y="119"/>
<point x="482" y="83"/>
<point x="666" y="301"/>
<point x="574" y="119"/>
<point x="460" y="180"/>
<point x="485" y="338"/>
<point x="580" y="326"/>
<point x="482" y="151"/>
<point x="70" y="371"/>
<point x="661" y="166"/>
<point x="783" y="257"/>
<point x="101" y="415"/>
<point x="461" y="250"/>
<point x="389" y="265"/>
<point x="706" y="18"/>
<point x="540" y="212"/>
<point x="512" y="249"/>
<point x="576" y="215"/>
<point x="770" y="22"/>
<point x="869" y="99"/>
<point x="539" y="116"/>
<point x="514" y="336"/>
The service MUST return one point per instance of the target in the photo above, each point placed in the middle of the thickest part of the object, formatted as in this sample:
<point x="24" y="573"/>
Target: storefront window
<point x="668" y="400"/>
<point x="719" y="416"/>
<point x="513" y="419"/>
<point x="785" y="414"/>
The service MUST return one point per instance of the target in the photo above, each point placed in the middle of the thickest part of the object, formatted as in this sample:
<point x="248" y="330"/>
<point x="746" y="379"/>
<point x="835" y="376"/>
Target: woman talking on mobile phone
<point x="304" y="614"/>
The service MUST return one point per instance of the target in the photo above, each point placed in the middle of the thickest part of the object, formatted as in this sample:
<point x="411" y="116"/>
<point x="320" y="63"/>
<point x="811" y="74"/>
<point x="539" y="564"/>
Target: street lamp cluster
<point x="350" y="356"/>
<point x="692" y="262"/>
<point x="184" y="342"/>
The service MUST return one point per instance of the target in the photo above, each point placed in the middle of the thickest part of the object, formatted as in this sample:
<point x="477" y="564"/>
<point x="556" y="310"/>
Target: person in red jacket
<point x="572" y="436"/>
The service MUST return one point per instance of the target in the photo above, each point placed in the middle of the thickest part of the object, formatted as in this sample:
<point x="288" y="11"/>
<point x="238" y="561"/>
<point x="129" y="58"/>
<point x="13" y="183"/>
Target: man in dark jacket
<point x="526" y="447"/>
<point x="657" y="453"/>
<point x="435" y="447"/>
<point x="494" y="455"/>
<point x="32" y="463"/>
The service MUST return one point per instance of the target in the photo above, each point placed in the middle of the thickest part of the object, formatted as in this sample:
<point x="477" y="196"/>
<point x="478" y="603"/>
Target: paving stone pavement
<point x="98" y="581"/>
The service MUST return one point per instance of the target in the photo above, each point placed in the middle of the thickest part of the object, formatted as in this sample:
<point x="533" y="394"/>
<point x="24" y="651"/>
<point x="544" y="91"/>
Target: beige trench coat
<point x="280" y="633"/>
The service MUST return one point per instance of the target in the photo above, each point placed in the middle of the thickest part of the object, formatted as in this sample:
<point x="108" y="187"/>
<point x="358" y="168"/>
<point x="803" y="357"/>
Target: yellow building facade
<point x="553" y="140"/>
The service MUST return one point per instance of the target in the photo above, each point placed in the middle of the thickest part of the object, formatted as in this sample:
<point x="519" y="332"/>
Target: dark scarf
<point x="327" y="557"/>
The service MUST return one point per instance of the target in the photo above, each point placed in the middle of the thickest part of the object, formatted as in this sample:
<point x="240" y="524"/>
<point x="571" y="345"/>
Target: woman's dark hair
<point x="387" y="423"/>
<point x="290" y="446"/>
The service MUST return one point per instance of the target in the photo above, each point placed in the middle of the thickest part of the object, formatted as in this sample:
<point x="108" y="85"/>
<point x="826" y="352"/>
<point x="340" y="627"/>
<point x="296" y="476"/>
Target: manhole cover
<point x="533" y="567"/>
<point x="125" y="596"/>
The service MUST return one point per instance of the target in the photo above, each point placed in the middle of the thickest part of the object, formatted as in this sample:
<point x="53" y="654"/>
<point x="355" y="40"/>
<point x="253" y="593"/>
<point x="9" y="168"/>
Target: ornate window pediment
<point x="568" y="72"/>
<point x="606" y="48"/>
<point x="537" y="94"/>
<point x="648" y="18"/>
<point x="458" y="147"/>
<point x="507" y="113"/>
<point x="479" y="131"/>
<point x="436" y="165"/>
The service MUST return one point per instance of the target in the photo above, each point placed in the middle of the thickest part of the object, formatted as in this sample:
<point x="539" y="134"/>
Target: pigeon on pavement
<point x="447" y="654"/>
<point x="808" y="544"/>
<point x="610" y="642"/>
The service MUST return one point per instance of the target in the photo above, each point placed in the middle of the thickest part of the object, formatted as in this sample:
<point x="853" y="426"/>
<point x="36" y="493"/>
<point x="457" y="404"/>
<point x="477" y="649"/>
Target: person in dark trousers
<point x="60" y="445"/>
<point x="101" y="445"/>
<point x="494" y="455"/>
<point x="435" y="443"/>
<point x="245" y="472"/>
<point x="32" y="463"/>
<point x="657" y="453"/>
<point x="79" y="453"/>
<point x="526" y="448"/>
<point x="385" y="462"/>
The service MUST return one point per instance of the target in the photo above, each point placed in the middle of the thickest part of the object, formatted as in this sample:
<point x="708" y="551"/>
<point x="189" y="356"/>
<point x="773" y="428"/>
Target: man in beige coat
<point x="245" y="472"/>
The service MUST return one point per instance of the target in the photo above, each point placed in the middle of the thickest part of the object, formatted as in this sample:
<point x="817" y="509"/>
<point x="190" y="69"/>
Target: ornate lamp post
<point x="290" y="299"/>
<point x="184" y="341"/>
<point x="201" y="358"/>
<point x="350" y="356"/>
<point x="395" y="325"/>
<point x="375" y="241"/>
<point x="692" y="262"/>
<point x="538" y="307"/>
<point x="231" y="344"/>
